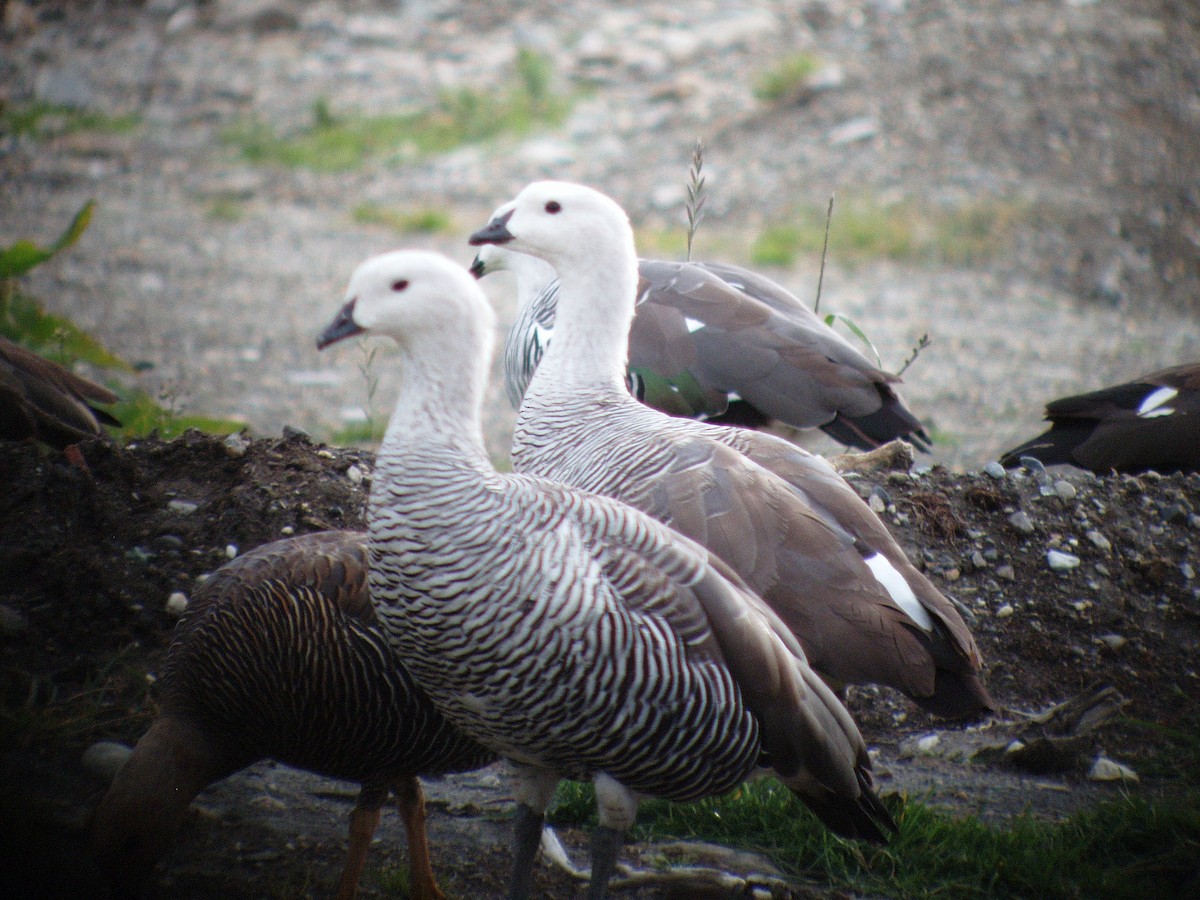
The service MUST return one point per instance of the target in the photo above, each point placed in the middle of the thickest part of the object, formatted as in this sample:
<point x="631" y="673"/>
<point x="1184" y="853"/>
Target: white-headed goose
<point x="782" y="518"/>
<point x="570" y="633"/>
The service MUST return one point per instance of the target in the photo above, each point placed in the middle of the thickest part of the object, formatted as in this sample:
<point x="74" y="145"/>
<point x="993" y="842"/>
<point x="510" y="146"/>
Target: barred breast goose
<point x="1152" y="422"/>
<point x="724" y="344"/>
<point x="782" y="518"/>
<point x="279" y="656"/>
<point x="42" y="400"/>
<point x="570" y="633"/>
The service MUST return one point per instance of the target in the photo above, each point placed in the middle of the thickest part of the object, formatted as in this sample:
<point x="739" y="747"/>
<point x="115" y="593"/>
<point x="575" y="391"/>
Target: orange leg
<point x="364" y="819"/>
<point x="411" y="801"/>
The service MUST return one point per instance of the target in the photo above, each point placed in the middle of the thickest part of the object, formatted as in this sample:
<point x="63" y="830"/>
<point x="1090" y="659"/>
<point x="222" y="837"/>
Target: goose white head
<point x="588" y="240"/>
<point x="570" y="226"/>
<point x="411" y="296"/>
<point x="441" y="320"/>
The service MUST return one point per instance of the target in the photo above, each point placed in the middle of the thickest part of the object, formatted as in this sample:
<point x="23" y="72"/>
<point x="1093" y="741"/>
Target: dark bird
<point x="279" y="656"/>
<point x="1152" y="422"/>
<point x="40" y="399"/>
<point x="724" y="344"/>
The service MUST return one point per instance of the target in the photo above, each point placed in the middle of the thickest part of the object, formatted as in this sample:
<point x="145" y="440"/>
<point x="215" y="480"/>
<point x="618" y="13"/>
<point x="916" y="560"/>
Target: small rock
<point x="1006" y="572"/>
<point x="978" y="561"/>
<point x="105" y="758"/>
<point x="237" y="444"/>
<point x="1112" y="641"/>
<point x="859" y="129"/>
<point x="1062" y="562"/>
<point x="952" y="574"/>
<point x="287" y="530"/>
<point x="176" y="604"/>
<point x="1186" y="570"/>
<point x="355" y="474"/>
<point x="1005" y="611"/>
<point x="994" y="469"/>
<point x="1099" y="541"/>
<point x="1105" y="769"/>
<point x="876" y="504"/>
<point x="1015" y="746"/>
<point x="928" y="744"/>
<point x="1065" y="490"/>
<point x="1020" y="520"/>
<point x="231" y="551"/>
<point x="183" y="507"/>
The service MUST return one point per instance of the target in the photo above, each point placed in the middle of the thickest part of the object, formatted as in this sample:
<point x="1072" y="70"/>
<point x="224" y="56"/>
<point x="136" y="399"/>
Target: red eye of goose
<point x="553" y="206"/>
<point x="400" y="285"/>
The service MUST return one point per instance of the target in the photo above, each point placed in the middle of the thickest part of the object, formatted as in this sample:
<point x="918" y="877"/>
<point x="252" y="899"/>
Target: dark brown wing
<point x="42" y="400"/>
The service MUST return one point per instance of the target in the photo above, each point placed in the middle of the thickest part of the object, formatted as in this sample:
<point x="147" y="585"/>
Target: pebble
<point x="1112" y="641"/>
<point x="237" y="444"/>
<point x="1020" y="520"/>
<point x="1186" y="570"/>
<point x="994" y="469"/>
<point x="1006" y="572"/>
<point x="876" y="504"/>
<point x="1105" y="769"/>
<point x="105" y="758"/>
<point x="355" y="474"/>
<point x="1065" y="490"/>
<point x="183" y="507"/>
<point x="1005" y="611"/>
<point x="287" y="530"/>
<point x="176" y="604"/>
<point x="978" y="561"/>
<point x="1099" y="541"/>
<point x="231" y="551"/>
<point x="1062" y="562"/>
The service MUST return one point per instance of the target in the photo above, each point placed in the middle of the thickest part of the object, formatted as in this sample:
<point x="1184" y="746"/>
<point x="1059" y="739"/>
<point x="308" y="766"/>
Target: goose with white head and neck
<point x="723" y="344"/>
<point x="798" y="534"/>
<point x="568" y="632"/>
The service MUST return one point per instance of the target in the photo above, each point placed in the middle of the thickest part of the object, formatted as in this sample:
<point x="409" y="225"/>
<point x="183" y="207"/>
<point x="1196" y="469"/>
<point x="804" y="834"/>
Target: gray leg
<point x="606" y="846"/>
<point x="528" y="829"/>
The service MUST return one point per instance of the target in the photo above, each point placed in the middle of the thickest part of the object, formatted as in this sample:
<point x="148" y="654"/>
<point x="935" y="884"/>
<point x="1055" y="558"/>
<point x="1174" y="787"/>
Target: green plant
<point x="41" y="121"/>
<point x="416" y="221"/>
<point x="786" y="78"/>
<point x="339" y="141"/>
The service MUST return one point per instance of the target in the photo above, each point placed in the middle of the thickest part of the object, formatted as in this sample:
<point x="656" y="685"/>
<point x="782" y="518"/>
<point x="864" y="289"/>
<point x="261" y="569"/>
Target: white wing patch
<point x="1153" y="404"/>
<point x="693" y="325"/>
<point x="894" y="583"/>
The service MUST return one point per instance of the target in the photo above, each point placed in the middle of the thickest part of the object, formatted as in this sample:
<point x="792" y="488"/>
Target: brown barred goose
<point x="797" y="533"/>
<point x="720" y="343"/>
<point x="1152" y="422"/>
<point x="40" y="399"/>
<point x="279" y="656"/>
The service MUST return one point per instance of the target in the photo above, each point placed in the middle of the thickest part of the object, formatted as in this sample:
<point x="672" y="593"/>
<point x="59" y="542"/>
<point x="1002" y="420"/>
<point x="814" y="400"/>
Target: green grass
<point x="1126" y="847"/>
<point x="866" y="228"/>
<point x="226" y="209"/>
<point x="411" y="221"/>
<point x="785" y="78"/>
<point x="338" y="141"/>
<point x="367" y="433"/>
<point x="41" y="121"/>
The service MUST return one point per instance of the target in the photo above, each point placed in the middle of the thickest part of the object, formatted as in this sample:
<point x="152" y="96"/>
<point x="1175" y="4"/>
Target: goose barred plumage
<point x="1152" y="422"/>
<point x="570" y="633"/>
<point x="40" y="399"/>
<point x="720" y="343"/>
<point x="279" y="656"/>
<point x="782" y="518"/>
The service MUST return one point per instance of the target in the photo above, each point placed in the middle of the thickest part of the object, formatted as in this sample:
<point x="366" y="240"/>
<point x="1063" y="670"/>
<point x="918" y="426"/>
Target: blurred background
<point x="1017" y="179"/>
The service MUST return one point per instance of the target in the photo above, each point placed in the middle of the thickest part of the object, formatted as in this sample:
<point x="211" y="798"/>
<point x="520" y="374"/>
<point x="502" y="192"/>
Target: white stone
<point x="355" y="474"/>
<point x="231" y="551"/>
<point x="1112" y="641"/>
<point x="1062" y="562"/>
<point x="1005" y="611"/>
<point x="183" y="507"/>
<point x="928" y="743"/>
<point x="176" y="604"/>
<point x="1099" y="541"/>
<point x="1105" y="769"/>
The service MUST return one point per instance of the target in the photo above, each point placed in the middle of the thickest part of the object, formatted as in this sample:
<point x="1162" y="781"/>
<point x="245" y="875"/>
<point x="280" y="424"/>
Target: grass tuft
<point x="786" y="79"/>
<point x="42" y="121"/>
<point x="1127" y="847"/>
<point x="413" y="221"/>
<point x="335" y="141"/>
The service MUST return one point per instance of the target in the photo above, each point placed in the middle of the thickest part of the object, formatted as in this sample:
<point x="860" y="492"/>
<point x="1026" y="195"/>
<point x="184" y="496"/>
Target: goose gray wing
<point x="527" y="341"/>
<point x="1152" y="422"/>
<point x="752" y="342"/>
<point x="41" y="399"/>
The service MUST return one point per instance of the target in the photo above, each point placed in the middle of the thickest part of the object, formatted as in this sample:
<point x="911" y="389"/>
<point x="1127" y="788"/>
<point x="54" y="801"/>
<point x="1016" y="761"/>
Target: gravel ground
<point x="218" y="273"/>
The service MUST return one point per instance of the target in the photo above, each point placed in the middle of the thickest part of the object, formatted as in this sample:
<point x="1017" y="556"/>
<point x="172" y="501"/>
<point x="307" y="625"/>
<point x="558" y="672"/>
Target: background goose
<point x="279" y="656"/>
<point x="572" y="634"/>
<point x="40" y="399"/>
<point x="718" y="342"/>
<point x="1152" y="422"/>
<point x="811" y="547"/>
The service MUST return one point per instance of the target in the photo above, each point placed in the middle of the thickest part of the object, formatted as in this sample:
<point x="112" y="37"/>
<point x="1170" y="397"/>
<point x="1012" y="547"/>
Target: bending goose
<point x="1152" y="422"/>
<point x="573" y="635"/>
<point x="783" y="519"/>
<point x="279" y="655"/>
<point x="724" y="344"/>
<point x="40" y="399"/>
